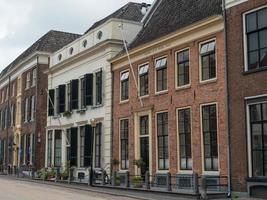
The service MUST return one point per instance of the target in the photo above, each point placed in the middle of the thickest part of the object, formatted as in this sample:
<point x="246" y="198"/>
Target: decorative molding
<point x="231" y="3"/>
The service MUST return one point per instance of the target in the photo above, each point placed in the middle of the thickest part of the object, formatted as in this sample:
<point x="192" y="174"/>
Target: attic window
<point x="99" y="35"/>
<point x="84" y="43"/>
<point x="71" y="51"/>
<point x="59" y="57"/>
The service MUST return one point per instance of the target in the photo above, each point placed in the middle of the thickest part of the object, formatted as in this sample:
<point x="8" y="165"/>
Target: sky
<point x="22" y="22"/>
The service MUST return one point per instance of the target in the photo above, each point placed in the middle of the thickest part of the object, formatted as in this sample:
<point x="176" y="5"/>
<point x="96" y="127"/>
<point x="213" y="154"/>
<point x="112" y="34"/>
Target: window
<point x="3" y="96"/>
<point x="61" y="98"/>
<point x="258" y="129"/>
<point x="13" y="89"/>
<point x="88" y="145"/>
<point x="125" y="86"/>
<point x="34" y="76"/>
<point x="82" y="137"/>
<point x="161" y="74"/>
<point x="143" y="80"/>
<point x="22" y="149"/>
<point x="33" y="108"/>
<point x="68" y="103"/>
<point x="124" y="133"/>
<point x="184" y="128"/>
<point x="208" y="60"/>
<point x="98" y="130"/>
<point x="73" y="147"/>
<point x="57" y="149"/>
<point x="209" y="130"/>
<point x="98" y="97"/>
<point x="89" y="80"/>
<point x="74" y="94"/>
<point x="29" y="109"/>
<point x="162" y="137"/>
<point x="57" y="102"/>
<point x="183" y="68"/>
<point x="51" y="101"/>
<point x="28" y="80"/>
<point x="82" y="81"/>
<point x="256" y="35"/>
<point x="7" y="93"/>
<point x="28" y="149"/>
<point x="49" y="147"/>
<point x="26" y="109"/>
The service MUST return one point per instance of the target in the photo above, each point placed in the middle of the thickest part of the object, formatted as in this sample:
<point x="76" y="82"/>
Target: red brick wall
<point x="194" y="96"/>
<point x="240" y="86"/>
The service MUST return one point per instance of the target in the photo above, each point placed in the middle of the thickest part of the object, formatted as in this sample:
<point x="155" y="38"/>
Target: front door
<point x="144" y="143"/>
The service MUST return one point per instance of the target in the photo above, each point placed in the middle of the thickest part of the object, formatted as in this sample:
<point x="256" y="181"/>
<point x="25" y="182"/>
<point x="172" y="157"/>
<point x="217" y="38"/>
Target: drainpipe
<point x="229" y="163"/>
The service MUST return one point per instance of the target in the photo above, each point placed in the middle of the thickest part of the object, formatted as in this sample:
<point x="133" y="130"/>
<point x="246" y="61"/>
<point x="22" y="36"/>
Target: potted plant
<point x="138" y="180"/>
<point x="65" y="174"/>
<point x="118" y="181"/>
<point x="67" y="113"/>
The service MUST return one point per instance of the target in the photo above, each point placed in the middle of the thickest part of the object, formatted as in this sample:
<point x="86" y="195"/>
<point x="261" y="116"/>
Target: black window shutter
<point x="73" y="147"/>
<point x="89" y="78"/>
<point x="62" y="98"/>
<point x="51" y="102"/>
<point x="87" y="145"/>
<point x="99" y="88"/>
<point x="74" y="93"/>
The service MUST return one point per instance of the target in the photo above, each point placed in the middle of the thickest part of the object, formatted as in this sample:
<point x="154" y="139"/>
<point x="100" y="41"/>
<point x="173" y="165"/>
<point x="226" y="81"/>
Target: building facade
<point x="170" y="106"/>
<point x="80" y="94"/>
<point x="246" y="32"/>
<point x="23" y="94"/>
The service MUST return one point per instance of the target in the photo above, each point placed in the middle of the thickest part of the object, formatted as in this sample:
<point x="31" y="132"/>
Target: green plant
<point x="118" y="180"/>
<point x="67" y="113"/>
<point x="42" y="173"/>
<point x="139" y="163"/>
<point x="115" y="162"/>
<point x="137" y="181"/>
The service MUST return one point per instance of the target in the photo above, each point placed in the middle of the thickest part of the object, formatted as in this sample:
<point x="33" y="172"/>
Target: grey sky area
<point x="22" y="22"/>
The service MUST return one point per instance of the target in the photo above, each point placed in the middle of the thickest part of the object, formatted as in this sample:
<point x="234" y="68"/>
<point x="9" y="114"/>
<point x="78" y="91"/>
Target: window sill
<point x="254" y="71"/>
<point x="214" y="80"/>
<point x="97" y="106"/>
<point x="144" y="97"/>
<point x="211" y="173"/>
<point x="257" y="179"/>
<point x="82" y="110"/>
<point x="56" y="116"/>
<point x="184" y="87"/>
<point x="124" y="101"/>
<point x="161" y="92"/>
<point x="189" y="172"/>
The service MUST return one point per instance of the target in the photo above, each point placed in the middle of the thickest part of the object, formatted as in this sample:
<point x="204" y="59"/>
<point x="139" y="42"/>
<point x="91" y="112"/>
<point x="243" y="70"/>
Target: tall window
<point x="73" y="147"/>
<point x="28" y="80"/>
<point x="258" y="129"/>
<point x="34" y="76"/>
<point x="183" y="68"/>
<point x="68" y="100"/>
<point x="184" y="127"/>
<point x="125" y="86"/>
<point x="7" y="93"/>
<point x="124" y="133"/>
<point x="61" y="98"/>
<point x="98" y="98"/>
<point x="74" y="94"/>
<point x="208" y="60"/>
<point x="13" y="89"/>
<point x="162" y="137"/>
<point x="256" y="32"/>
<point x="161" y="74"/>
<point x="209" y="129"/>
<point x="57" y="150"/>
<point x="33" y="108"/>
<point x="49" y="147"/>
<point x="143" y="80"/>
<point x="51" y="102"/>
<point x="22" y="149"/>
<point x="98" y="145"/>
<point x="82" y="93"/>
<point x="82" y="140"/>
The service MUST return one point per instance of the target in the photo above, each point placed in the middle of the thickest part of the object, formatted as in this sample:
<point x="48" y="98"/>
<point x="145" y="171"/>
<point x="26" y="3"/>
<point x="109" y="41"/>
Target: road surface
<point x="19" y="190"/>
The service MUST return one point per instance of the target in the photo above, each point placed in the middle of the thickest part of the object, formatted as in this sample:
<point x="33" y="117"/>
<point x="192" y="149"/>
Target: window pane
<point x="205" y="67"/>
<point x="263" y="58"/>
<point x="256" y="136"/>
<point x="253" y="41"/>
<point x="212" y="66"/>
<point x="263" y="38"/>
<point x="255" y="112"/>
<point x="215" y="164"/>
<point x="253" y="60"/>
<point x="264" y="110"/>
<point x="257" y="163"/>
<point x="262" y="18"/>
<point x="251" y="22"/>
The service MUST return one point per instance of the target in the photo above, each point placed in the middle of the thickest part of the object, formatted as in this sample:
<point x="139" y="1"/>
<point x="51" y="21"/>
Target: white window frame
<point x="28" y="80"/>
<point x="34" y="77"/>
<point x="176" y="69"/>
<point x="245" y="35"/>
<point x="139" y="85"/>
<point x="200" y="61"/>
<point x="119" y="131"/>
<point x="33" y="106"/>
<point x="156" y="77"/>
<point x="122" y="72"/>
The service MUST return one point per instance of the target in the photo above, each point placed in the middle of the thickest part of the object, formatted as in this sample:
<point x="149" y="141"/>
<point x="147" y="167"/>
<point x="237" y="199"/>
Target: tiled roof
<point x="172" y="15"/>
<point x="131" y="11"/>
<point x="50" y="42"/>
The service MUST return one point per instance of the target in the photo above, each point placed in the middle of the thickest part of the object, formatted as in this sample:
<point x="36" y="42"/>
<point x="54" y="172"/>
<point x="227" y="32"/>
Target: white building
<point x="80" y="88"/>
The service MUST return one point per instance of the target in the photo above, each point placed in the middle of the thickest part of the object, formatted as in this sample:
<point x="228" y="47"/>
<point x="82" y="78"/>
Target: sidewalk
<point x="141" y="195"/>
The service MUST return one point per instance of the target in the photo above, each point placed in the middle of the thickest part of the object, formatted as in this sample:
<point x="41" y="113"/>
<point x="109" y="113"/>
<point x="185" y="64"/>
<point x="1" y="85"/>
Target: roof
<point x="49" y="43"/>
<point x="172" y="15"/>
<point x="131" y="11"/>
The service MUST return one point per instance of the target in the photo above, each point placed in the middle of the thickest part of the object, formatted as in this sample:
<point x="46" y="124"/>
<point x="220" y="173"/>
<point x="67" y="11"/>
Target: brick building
<point x="172" y="112"/>
<point x="246" y="28"/>
<point x="23" y="86"/>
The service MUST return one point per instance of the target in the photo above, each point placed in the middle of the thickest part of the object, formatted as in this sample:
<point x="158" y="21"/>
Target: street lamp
<point x="93" y="125"/>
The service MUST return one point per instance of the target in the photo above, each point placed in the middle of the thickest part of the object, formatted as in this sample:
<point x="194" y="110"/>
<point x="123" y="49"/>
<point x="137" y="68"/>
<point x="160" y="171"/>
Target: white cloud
<point x="23" y="22"/>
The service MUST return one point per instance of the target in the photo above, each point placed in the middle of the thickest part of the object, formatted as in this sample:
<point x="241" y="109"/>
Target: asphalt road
<point x="19" y="190"/>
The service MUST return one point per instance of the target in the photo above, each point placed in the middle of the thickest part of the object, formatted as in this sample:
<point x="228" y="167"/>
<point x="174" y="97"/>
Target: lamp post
<point x="93" y="125"/>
